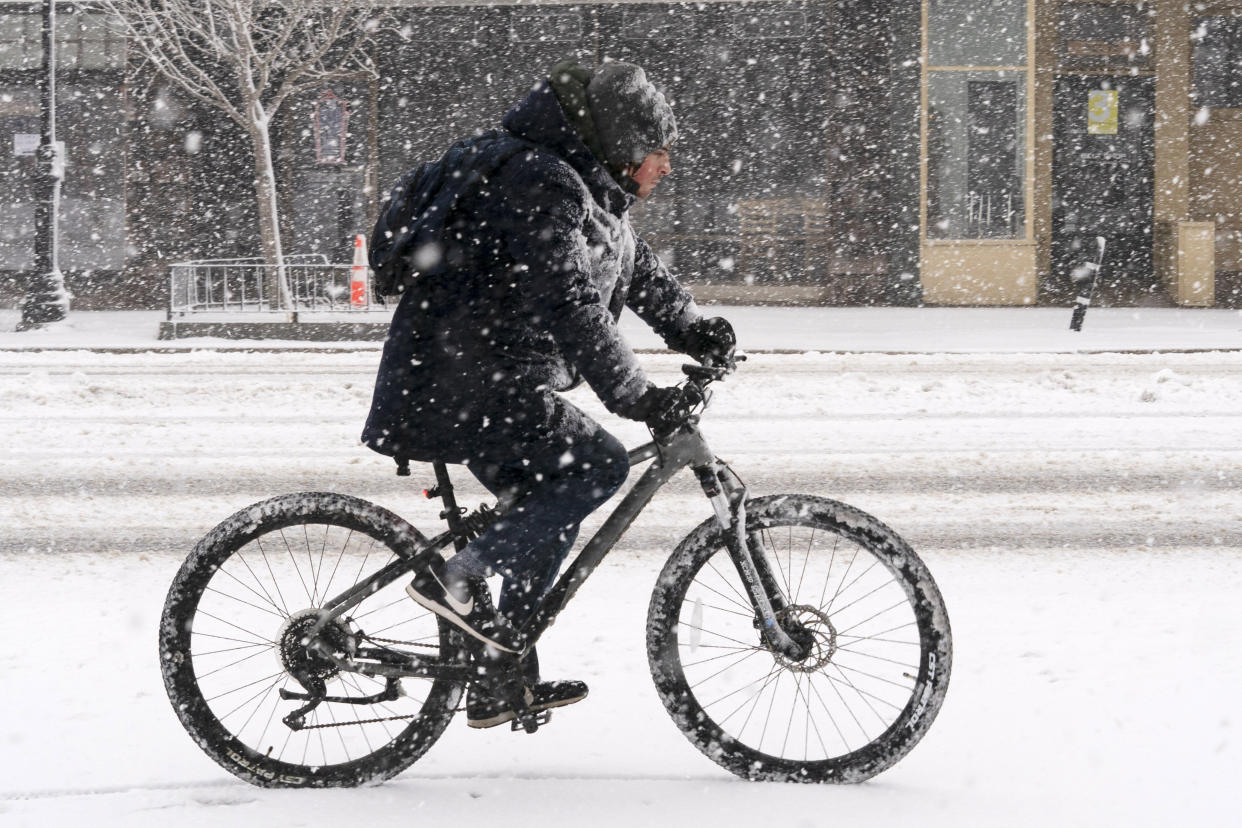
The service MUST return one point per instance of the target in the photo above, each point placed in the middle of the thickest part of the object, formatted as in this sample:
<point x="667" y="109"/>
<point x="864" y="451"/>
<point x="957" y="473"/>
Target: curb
<point x="285" y="331"/>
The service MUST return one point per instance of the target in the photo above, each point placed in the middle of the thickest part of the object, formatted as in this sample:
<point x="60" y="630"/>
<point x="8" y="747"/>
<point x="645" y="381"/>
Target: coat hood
<point x="538" y="118"/>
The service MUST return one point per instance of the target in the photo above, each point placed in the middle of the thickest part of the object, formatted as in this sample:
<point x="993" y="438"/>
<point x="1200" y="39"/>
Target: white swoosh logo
<point x="462" y="608"/>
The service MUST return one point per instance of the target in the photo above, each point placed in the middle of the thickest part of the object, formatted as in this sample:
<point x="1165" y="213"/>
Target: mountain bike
<point x="790" y="637"/>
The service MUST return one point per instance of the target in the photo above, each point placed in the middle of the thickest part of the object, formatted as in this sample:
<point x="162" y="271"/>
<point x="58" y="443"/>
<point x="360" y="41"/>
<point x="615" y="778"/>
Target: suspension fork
<point x="727" y="494"/>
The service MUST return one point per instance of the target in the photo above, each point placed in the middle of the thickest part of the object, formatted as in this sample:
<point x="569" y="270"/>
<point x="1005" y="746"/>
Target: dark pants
<point x="559" y="465"/>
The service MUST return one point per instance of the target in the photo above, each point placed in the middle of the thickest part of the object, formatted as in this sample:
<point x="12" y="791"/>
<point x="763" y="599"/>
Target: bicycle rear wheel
<point x="232" y="638"/>
<point x="879" y="657"/>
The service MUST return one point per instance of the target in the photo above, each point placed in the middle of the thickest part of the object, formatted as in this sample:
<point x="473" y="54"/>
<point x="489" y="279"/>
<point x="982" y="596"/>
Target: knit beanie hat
<point x="632" y="119"/>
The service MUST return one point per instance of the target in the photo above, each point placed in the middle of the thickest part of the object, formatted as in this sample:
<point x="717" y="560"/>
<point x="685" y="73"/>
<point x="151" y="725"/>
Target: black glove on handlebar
<point x="664" y="409"/>
<point x="711" y="337"/>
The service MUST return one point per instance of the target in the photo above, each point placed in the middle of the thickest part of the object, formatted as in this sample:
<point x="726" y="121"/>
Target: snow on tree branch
<point x="246" y="56"/>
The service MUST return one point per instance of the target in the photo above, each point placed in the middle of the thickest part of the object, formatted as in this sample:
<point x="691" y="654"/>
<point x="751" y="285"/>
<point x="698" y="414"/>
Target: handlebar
<point x="698" y="378"/>
<point x="712" y="370"/>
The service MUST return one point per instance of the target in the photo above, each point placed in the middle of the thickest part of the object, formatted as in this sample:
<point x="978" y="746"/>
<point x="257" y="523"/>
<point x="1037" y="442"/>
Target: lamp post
<point x="46" y="298"/>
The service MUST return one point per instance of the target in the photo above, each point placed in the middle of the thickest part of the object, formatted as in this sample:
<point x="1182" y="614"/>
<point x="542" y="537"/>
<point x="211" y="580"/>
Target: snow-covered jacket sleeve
<point x="659" y="299"/>
<point x="541" y="229"/>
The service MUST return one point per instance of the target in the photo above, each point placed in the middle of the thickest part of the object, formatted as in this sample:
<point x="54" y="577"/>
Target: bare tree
<point x="246" y="58"/>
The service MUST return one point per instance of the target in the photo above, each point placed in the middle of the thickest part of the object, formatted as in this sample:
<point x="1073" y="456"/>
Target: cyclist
<point x="541" y="260"/>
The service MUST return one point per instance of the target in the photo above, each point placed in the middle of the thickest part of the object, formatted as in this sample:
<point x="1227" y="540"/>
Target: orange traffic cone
<point x="358" y="273"/>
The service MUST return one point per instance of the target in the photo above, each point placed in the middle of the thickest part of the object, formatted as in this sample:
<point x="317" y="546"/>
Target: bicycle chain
<point x="377" y="640"/>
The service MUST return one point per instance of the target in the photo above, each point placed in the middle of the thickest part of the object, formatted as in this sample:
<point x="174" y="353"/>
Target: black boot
<point x="483" y="710"/>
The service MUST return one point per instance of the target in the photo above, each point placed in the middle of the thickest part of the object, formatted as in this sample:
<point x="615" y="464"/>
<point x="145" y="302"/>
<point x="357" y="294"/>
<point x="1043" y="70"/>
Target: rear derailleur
<point x="310" y="651"/>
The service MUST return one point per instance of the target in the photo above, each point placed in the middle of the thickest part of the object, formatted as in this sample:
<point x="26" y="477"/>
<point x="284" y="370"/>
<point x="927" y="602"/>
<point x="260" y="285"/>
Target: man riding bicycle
<point x="536" y="264"/>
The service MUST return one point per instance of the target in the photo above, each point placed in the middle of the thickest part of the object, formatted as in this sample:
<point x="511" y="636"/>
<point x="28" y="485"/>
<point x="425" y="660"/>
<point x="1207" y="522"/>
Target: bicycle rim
<point x="875" y="628"/>
<point x="236" y="620"/>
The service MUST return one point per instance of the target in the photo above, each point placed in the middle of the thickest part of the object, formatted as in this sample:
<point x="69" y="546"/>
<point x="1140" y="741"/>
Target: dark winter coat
<point x="542" y="263"/>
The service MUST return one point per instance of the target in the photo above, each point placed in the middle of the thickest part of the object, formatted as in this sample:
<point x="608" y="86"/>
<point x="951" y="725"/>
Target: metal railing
<point x="250" y="285"/>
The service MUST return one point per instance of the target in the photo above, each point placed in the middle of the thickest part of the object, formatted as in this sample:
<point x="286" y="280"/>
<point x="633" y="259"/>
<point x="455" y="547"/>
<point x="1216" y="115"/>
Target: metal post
<point x="46" y="298"/>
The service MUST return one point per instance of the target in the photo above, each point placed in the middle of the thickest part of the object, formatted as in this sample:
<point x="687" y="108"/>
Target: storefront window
<point x="976" y="119"/>
<point x="1100" y="36"/>
<point x="975" y="149"/>
<point x="20" y="46"/>
<point x="976" y="32"/>
<point x="1218" y="62"/>
<point x="83" y="41"/>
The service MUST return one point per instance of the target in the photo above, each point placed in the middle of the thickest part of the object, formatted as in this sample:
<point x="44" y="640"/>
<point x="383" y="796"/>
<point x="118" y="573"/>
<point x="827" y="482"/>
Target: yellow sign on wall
<point x="1102" y="112"/>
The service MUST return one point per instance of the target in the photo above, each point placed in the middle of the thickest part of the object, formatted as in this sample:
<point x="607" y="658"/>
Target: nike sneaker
<point x="474" y="614"/>
<point x="483" y="710"/>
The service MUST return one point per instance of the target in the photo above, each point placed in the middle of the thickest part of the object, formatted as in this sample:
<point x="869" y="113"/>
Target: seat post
<point x="451" y="513"/>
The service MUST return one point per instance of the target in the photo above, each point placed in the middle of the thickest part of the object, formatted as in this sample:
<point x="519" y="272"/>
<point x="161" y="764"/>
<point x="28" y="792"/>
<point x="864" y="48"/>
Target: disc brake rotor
<point x="812" y="628"/>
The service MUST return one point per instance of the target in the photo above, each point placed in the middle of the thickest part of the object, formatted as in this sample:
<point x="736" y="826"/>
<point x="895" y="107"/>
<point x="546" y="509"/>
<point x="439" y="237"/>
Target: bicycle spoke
<point x="858" y="608"/>
<point x="327" y="589"/>
<point x="831" y="718"/>
<point x="234" y="626"/>
<point x="844" y="575"/>
<point x="264" y="597"/>
<point x="718" y="635"/>
<point x="832" y="559"/>
<point x="230" y="664"/>
<point x="274" y="678"/>
<point x="753" y="701"/>
<point x="806" y="559"/>
<point x="864" y="596"/>
<point x="734" y="693"/>
<point x="402" y="623"/>
<point x="863" y="694"/>
<point x="844" y="586"/>
<point x="293" y="559"/>
<point x="747" y="615"/>
<point x="275" y="580"/>
<point x="228" y="649"/>
<point x="742" y="601"/>
<point x="811" y="720"/>
<point x="848" y="707"/>
<point x="903" y="664"/>
<point x="906" y="687"/>
<point x="272" y="716"/>
<point x="281" y="606"/>
<point x="688" y="664"/>
<point x="403" y="599"/>
<point x="901" y="603"/>
<point x="310" y="566"/>
<point x="771" y="704"/>
<point x="259" y="706"/>
<point x="723" y="669"/>
<point x="247" y="603"/>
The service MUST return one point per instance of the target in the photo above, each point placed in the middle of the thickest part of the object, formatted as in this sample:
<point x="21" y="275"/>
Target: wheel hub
<point x="295" y="654"/>
<point x="811" y="628"/>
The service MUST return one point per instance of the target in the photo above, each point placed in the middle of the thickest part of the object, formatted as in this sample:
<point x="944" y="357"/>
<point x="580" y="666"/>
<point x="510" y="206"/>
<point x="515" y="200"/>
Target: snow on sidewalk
<point x="831" y="329"/>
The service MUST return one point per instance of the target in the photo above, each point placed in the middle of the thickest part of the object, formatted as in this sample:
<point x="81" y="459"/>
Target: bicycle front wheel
<point x="233" y="646"/>
<point x="878" y="636"/>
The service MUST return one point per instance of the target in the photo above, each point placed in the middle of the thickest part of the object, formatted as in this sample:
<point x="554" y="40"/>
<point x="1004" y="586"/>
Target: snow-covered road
<point x="1081" y="512"/>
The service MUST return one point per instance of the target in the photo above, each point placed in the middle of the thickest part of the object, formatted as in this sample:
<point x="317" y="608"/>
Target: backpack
<point x="410" y="239"/>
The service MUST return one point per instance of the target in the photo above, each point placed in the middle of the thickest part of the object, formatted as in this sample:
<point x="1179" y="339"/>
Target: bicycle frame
<point x="686" y="448"/>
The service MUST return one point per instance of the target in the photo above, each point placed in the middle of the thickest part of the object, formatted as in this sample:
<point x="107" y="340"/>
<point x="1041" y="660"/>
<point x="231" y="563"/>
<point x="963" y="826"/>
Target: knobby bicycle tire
<point x="298" y="533"/>
<point x="861" y="699"/>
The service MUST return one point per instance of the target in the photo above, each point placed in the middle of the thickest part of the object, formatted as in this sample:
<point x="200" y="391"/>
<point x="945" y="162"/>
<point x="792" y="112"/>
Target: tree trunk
<point x="269" y="211"/>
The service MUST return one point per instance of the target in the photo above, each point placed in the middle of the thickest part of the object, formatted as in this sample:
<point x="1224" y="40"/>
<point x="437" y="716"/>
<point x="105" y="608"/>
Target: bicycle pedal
<point x="530" y="723"/>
